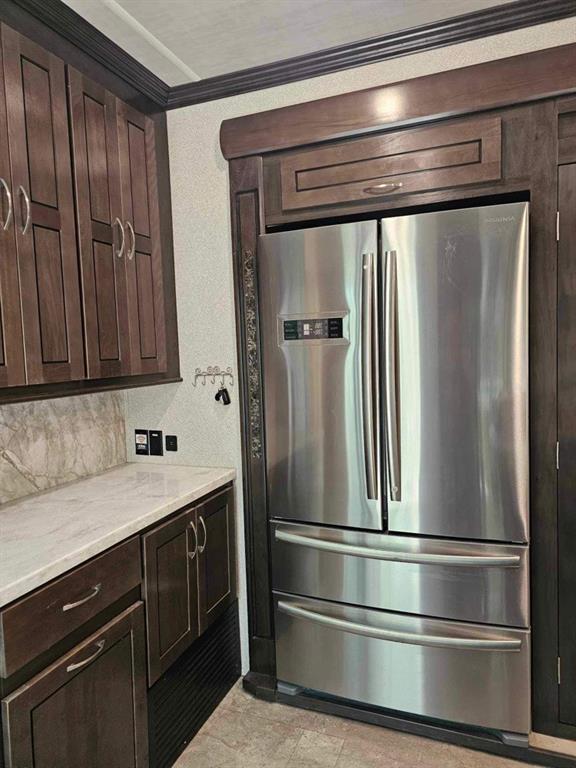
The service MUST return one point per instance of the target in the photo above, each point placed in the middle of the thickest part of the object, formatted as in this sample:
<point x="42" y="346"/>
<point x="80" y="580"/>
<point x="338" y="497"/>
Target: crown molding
<point x="56" y="15"/>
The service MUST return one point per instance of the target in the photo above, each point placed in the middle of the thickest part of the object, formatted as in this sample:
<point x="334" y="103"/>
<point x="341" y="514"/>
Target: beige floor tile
<point x="316" y="749"/>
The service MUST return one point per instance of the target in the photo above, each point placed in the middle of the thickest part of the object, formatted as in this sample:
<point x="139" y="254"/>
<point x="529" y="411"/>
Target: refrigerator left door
<point x="319" y="336"/>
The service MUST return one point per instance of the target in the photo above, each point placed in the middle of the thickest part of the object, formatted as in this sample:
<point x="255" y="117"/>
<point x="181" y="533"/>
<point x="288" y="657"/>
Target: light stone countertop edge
<point x="20" y="585"/>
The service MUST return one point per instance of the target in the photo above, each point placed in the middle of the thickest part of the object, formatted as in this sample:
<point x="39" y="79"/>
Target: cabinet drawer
<point x="416" y="160"/>
<point x="37" y="622"/>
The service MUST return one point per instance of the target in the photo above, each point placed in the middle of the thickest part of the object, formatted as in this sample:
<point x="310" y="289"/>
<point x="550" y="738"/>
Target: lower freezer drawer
<point x="464" y="673"/>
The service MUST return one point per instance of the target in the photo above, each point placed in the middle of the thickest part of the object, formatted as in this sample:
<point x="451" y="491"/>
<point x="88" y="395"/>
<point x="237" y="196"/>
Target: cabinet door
<point x="216" y="559"/>
<point x="12" y="370"/>
<point x="88" y="709"/>
<point x="144" y="263"/>
<point x="567" y="440"/>
<point x="44" y="210"/>
<point x="171" y="584"/>
<point x="101" y="233"/>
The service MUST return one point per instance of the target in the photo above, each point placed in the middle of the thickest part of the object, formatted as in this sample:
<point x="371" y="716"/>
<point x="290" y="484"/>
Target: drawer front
<point x="416" y="160"/>
<point x="37" y="622"/>
<point x="462" y="673"/>
<point x="483" y="583"/>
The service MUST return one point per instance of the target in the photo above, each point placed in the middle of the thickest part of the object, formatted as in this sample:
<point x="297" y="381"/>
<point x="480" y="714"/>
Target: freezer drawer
<point x="483" y="583"/>
<point x="463" y="673"/>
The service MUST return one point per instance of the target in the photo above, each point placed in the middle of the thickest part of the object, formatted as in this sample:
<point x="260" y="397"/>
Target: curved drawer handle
<point x="95" y="591"/>
<point x="203" y="524"/>
<point x="474" y="561"/>
<point x="8" y="218"/>
<point x="100" y="647"/>
<point x="120" y="252"/>
<point x="379" y="189"/>
<point x="192" y="555"/>
<point x="398" y="636"/>
<point x="132" y="251"/>
<point x="26" y="224"/>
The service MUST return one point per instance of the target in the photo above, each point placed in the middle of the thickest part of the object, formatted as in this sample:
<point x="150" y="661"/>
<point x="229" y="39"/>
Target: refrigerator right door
<point x="455" y="362"/>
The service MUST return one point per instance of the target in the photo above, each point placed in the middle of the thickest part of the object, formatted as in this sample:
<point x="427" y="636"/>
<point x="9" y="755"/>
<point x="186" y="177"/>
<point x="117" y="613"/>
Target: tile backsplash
<point x="51" y="442"/>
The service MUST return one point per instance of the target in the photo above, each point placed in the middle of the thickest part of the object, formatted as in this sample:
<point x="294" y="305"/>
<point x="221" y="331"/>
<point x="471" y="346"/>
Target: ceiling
<point x="189" y="40"/>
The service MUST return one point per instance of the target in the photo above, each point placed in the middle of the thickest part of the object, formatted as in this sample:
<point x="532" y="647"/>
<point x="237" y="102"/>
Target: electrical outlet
<point x="141" y="442"/>
<point x="171" y="443"/>
<point x="156" y="447"/>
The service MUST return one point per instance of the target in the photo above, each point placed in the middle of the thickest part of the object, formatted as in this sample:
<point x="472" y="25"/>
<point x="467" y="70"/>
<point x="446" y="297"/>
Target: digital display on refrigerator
<point x="313" y="329"/>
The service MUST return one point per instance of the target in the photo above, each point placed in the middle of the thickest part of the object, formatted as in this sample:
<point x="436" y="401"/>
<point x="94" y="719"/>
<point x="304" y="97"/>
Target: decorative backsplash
<point x="51" y="442"/>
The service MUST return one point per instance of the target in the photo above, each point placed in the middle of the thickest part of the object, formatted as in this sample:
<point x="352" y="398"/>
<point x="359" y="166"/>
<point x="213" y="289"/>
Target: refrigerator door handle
<point x="400" y="636"/>
<point x="370" y="388"/>
<point x="416" y="558"/>
<point x="391" y="383"/>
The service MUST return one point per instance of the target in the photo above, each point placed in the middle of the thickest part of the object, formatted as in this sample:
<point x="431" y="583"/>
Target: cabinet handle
<point x="388" y="186"/>
<point x="8" y="218"/>
<point x="95" y="590"/>
<point x="192" y="555"/>
<point x="132" y="250"/>
<point x="203" y="524"/>
<point x="122" y="238"/>
<point x="24" y="194"/>
<point x="100" y="647"/>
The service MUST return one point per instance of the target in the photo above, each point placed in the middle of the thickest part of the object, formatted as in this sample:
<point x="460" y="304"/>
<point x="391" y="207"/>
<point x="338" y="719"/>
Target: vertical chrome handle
<point x="192" y="555"/>
<point x="24" y="194"/>
<point x="202" y="546"/>
<point x="370" y="372"/>
<point x="392" y="429"/>
<point x="8" y="219"/>
<point x="100" y="647"/>
<point x="132" y="250"/>
<point x="122" y="237"/>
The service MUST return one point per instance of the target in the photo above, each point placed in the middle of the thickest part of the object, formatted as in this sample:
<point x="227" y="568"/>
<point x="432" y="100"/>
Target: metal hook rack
<point x="213" y="372"/>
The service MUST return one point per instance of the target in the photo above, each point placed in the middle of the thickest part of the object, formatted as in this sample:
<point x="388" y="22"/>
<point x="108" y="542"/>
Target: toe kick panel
<point x="465" y="673"/>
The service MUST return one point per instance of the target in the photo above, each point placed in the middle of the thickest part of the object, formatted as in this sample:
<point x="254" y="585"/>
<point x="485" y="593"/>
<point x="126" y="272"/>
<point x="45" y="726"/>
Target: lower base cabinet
<point x="89" y="708"/>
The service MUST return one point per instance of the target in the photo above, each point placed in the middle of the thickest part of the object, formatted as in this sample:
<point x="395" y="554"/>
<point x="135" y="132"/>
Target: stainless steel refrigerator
<point x="395" y="358"/>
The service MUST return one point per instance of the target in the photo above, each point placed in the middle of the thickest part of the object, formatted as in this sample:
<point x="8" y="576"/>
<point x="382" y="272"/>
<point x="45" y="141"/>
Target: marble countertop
<point x="45" y="535"/>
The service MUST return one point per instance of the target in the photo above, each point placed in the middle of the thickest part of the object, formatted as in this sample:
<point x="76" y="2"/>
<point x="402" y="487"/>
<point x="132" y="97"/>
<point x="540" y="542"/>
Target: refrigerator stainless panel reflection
<point x="454" y="671"/>
<point x="320" y="346"/>
<point x="462" y="580"/>
<point x="456" y="372"/>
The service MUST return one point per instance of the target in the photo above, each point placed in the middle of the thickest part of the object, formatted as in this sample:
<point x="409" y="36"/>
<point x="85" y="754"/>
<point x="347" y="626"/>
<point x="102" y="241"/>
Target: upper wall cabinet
<point x="83" y="289"/>
<point x="42" y="214"/>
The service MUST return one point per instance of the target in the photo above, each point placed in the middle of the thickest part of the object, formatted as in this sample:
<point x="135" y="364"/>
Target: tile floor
<point x="245" y="732"/>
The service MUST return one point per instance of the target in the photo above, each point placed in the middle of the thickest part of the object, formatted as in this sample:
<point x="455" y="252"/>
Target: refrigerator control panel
<point x="313" y="329"/>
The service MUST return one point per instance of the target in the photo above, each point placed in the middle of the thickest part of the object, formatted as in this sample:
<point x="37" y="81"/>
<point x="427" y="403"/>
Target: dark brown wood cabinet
<point x="43" y="210"/>
<point x="216" y="562"/>
<point x="86" y="275"/>
<point x="171" y="580"/>
<point x="567" y="444"/>
<point x="189" y="577"/>
<point x="88" y="708"/>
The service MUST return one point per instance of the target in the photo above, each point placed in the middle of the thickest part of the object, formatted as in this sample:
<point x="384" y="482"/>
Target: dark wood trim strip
<point x="458" y="29"/>
<point x="514" y="80"/>
<point x="75" y="29"/>
<point x="504" y="18"/>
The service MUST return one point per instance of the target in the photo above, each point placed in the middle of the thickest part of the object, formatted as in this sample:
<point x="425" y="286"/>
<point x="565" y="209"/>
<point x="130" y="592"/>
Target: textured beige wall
<point x="209" y="432"/>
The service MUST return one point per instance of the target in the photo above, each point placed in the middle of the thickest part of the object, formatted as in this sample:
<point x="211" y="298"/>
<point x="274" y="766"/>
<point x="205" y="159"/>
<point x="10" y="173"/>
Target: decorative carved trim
<point x="252" y="353"/>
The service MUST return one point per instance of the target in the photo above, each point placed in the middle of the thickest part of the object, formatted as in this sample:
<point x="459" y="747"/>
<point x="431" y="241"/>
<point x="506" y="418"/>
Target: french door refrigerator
<point x="395" y="360"/>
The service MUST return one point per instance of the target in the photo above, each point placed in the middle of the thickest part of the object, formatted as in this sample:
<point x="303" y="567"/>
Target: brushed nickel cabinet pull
<point x="388" y="186"/>
<point x="203" y="546"/>
<point x="24" y="194"/>
<point x="132" y="250"/>
<point x="192" y="555"/>
<point x="95" y="591"/>
<point x="122" y="237"/>
<point x="100" y="647"/>
<point x="8" y="219"/>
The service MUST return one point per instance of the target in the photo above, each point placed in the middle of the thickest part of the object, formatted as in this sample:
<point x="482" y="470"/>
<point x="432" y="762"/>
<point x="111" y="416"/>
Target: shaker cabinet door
<point x="171" y="586"/>
<point x="143" y="257"/>
<point x="87" y="709"/>
<point x="216" y="560"/>
<point x="101" y="230"/>
<point x="37" y="117"/>
<point x="12" y="370"/>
